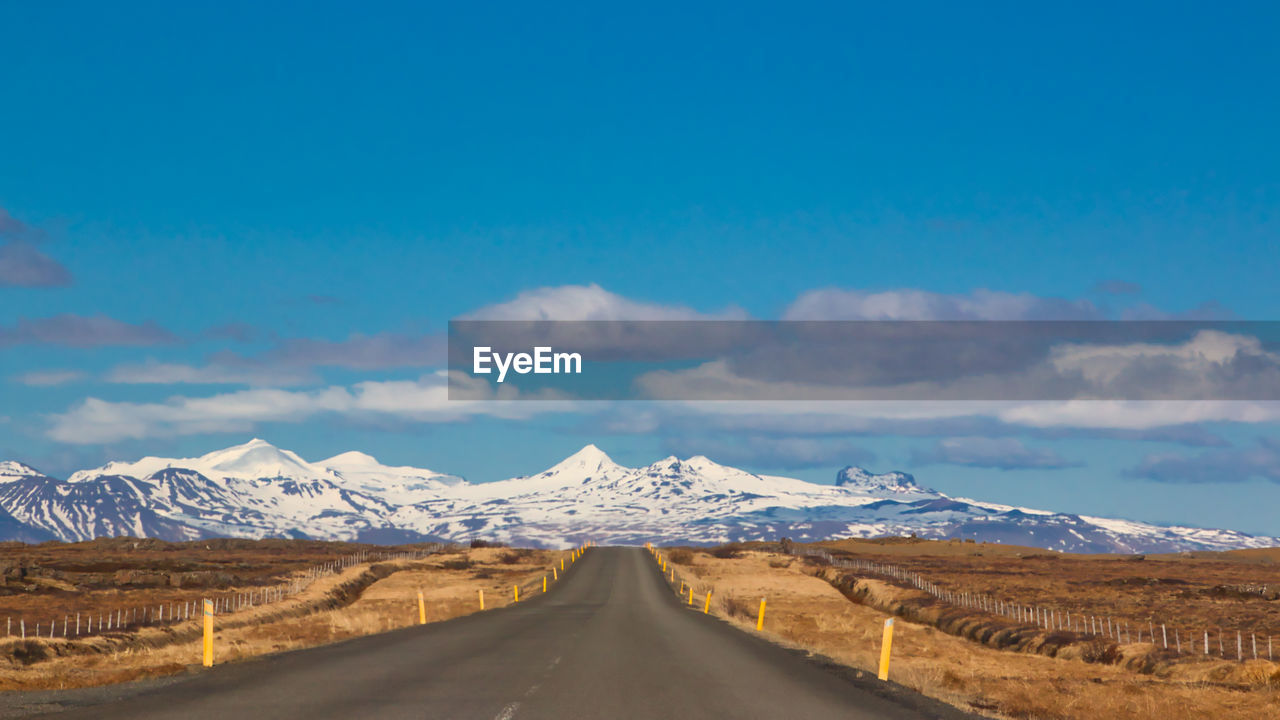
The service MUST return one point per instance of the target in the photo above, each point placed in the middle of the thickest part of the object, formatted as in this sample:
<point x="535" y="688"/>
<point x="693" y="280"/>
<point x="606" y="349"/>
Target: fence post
<point x="885" y="649"/>
<point x="208" y="633"/>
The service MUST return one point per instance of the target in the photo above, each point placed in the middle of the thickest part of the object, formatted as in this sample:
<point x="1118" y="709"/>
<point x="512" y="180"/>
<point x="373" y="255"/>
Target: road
<point x="609" y="641"/>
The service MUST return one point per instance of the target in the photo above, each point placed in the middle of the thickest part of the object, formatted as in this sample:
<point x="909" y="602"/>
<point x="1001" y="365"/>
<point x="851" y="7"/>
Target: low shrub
<point x="727" y="552"/>
<point x="681" y="556"/>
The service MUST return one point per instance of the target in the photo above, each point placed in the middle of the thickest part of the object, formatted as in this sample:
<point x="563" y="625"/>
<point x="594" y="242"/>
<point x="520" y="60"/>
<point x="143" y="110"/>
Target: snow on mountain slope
<point x="393" y="485"/>
<point x="254" y="459"/>
<point x="258" y="490"/>
<point x="888" y="484"/>
<point x="11" y="471"/>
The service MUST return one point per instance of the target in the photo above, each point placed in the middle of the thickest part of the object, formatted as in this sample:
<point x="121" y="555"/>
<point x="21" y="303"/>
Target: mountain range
<point x="257" y="490"/>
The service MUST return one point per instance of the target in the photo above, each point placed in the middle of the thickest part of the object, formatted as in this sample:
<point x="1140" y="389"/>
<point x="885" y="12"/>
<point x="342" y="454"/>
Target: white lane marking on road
<point x="508" y="712"/>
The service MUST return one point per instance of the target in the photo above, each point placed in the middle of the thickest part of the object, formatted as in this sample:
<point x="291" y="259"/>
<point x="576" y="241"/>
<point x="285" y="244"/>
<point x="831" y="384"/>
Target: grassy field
<point x="362" y="599"/>
<point x="1191" y="593"/>
<point x="932" y="654"/>
<point x="44" y="583"/>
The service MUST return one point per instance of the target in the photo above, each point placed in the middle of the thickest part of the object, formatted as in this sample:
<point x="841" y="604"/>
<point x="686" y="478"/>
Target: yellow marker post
<point x="555" y="574"/>
<point x="760" y="617"/>
<point x="690" y="595"/>
<point x="208" y="633"/>
<point x="561" y="563"/>
<point x="885" y="645"/>
<point x="673" y="574"/>
<point x="544" y="583"/>
<point x="422" y="609"/>
<point x="481" y="599"/>
<point x="682" y="587"/>
<point x="706" y="608"/>
<point x="516" y="588"/>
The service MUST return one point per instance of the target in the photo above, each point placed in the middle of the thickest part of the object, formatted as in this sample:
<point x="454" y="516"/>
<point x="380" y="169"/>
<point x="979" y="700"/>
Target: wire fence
<point x="128" y="619"/>
<point x="1174" y="635"/>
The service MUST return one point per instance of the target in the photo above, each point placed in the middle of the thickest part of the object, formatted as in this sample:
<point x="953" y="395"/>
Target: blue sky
<point x="296" y="199"/>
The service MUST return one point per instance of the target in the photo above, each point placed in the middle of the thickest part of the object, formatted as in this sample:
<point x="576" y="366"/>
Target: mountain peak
<point x="856" y="478"/>
<point x="15" y="469"/>
<point x="589" y="462"/>
<point x="589" y="455"/>
<point x="257" y="457"/>
<point x="353" y="458"/>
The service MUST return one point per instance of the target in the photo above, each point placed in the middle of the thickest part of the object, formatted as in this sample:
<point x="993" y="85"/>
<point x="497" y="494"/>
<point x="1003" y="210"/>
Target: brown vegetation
<point x="978" y="663"/>
<point x="366" y="598"/>
<point x="680" y="556"/>
<point x="1191" y="593"/>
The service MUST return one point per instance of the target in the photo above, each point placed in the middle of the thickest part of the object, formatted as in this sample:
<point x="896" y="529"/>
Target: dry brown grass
<point x="361" y="600"/>
<point x="49" y="581"/>
<point x="808" y="612"/>
<point x="1191" y="592"/>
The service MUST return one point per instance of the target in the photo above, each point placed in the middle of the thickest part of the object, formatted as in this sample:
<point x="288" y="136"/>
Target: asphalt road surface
<point x="610" y="641"/>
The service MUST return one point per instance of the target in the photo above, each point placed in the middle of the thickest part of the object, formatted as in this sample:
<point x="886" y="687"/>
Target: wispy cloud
<point x="216" y="373"/>
<point x="590" y="302"/>
<point x="94" y="421"/>
<point x="996" y="453"/>
<point x="49" y="378"/>
<point x="1231" y="465"/>
<point x="910" y="304"/>
<point x="83" y="331"/>
<point x="872" y="419"/>
<point x="22" y="264"/>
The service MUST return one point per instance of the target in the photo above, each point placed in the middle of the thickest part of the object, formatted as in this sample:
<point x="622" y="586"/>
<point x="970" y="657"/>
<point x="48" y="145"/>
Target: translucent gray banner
<point x="865" y="360"/>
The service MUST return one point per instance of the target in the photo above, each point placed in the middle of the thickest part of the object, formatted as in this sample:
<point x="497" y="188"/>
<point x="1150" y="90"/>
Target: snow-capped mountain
<point x="250" y="490"/>
<point x="259" y="490"/>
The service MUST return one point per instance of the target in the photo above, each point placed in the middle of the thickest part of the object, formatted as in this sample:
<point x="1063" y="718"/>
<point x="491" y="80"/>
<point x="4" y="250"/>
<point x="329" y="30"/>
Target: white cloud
<point x="1138" y="415"/>
<point x="252" y="374"/>
<point x="589" y="302"/>
<point x="49" y="378"/>
<point x="908" y="304"/>
<point x="1208" y="352"/>
<point x="424" y="400"/>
